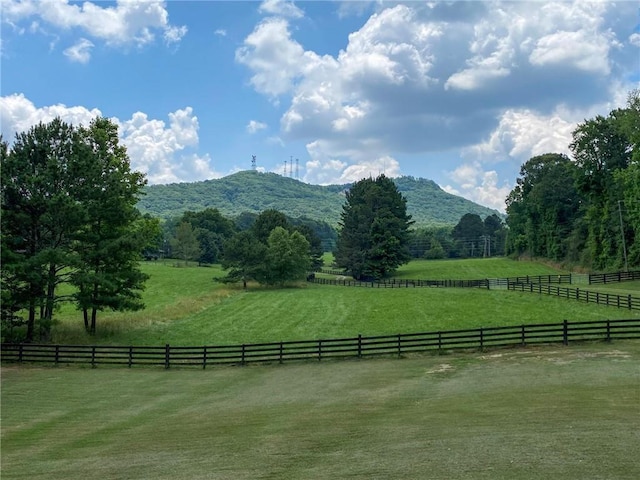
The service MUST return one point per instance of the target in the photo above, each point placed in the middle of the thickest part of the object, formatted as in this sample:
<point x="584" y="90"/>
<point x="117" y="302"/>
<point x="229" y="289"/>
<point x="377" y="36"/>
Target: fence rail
<point x="355" y="347"/>
<point x="614" y="277"/>
<point x="398" y="283"/>
<point x="609" y="299"/>
<point x="593" y="278"/>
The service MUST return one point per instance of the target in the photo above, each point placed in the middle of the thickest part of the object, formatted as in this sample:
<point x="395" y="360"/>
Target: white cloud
<point x="522" y="134"/>
<point x="254" y="126"/>
<point x="479" y="186"/>
<point x="18" y="114"/>
<point x="578" y="49"/>
<point x="634" y="39"/>
<point x="282" y="8"/>
<point x="126" y="23"/>
<point x="221" y="32"/>
<point x="165" y="153"/>
<point x="276" y="60"/>
<point x="80" y="52"/>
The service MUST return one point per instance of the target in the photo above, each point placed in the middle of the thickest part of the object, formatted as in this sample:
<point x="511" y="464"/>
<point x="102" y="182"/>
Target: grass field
<point x="185" y="307"/>
<point x="535" y="413"/>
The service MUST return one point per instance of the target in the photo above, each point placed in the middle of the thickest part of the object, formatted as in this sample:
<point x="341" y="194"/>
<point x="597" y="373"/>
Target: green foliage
<point x="185" y="245"/>
<point x="250" y="192"/>
<point x="583" y="211"/>
<point x="287" y="258"/>
<point x="271" y="252"/>
<point x="68" y="215"/>
<point x="374" y="235"/>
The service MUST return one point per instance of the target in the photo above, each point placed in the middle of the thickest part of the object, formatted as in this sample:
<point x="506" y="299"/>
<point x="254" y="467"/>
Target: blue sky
<point x="461" y="93"/>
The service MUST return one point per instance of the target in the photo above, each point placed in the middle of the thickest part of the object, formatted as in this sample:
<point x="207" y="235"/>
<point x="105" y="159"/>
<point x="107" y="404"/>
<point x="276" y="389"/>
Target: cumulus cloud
<point x="166" y="153"/>
<point x="126" y="23"/>
<point x="499" y="80"/>
<point x="478" y="185"/>
<point x="80" y="52"/>
<point x="282" y="8"/>
<point x="254" y="126"/>
<point x="522" y="134"/>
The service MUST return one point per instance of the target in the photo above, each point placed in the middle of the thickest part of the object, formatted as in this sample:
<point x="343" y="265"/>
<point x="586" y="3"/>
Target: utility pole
<point x="624" y="243"/>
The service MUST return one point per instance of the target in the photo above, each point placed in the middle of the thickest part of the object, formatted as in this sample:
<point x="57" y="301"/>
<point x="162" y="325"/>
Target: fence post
<point x="439" y="342"/>
<point x="243" y="354"/>
<point x="608" y="330"/>
<point x="93" y="356"/>
<point x="20" y="347"/>
<point x="399" y="347"/>
<point x="57" y="353"/>
<point x="319" y="350"/>
<point x="130" y="355"/>
<point x="281" y="347"/>
<point x="523" y="335"/>
<point x="166" y="356"/>
<point x="204" y="357"/>
<point x="359" y="345"/>
<point x="565" y="332"/>
<point x="629" y="301"/>
<point x="481" y="339"/>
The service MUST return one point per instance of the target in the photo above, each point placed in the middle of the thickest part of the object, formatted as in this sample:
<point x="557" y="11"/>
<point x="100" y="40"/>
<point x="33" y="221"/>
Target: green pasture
<point x="186" y="307"/>
<point x="534" y="413"/>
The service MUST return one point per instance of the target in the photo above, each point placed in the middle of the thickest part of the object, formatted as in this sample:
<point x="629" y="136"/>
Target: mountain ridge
<point x="252" y="191"/>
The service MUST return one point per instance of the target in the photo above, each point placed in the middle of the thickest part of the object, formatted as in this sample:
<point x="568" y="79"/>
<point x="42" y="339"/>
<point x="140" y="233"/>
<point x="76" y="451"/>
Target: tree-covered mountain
<point x="252" y="191"/>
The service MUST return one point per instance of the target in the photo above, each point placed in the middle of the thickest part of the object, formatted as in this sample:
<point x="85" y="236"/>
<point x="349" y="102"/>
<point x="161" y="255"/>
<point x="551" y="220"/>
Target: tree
<point x="185" y="245"/>
<point x="113" y="235"/>
<point x="211" y="230"/>
<point x="68" y="215"/>
<point x="39" y="219"/>
<point x="468" y="233"/>
<point x="244" y="257"/>
<point x="266" y="222"/>
<point x="287" y="257"/>
<point x="543" y="206"/>
<point x="374" y="233"/>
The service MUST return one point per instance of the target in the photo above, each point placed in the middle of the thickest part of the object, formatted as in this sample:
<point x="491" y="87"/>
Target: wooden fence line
<point x="354" y="347"/>
<point x="608" y="299"/>
<point x="592" y="278"/>
<point x="614" y="277"/>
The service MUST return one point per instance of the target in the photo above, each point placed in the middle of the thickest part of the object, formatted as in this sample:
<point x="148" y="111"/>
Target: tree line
<point x="583" y="210"/>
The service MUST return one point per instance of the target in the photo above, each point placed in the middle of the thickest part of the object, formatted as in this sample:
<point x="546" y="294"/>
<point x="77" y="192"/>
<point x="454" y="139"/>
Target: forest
<point x="584" y="210"/>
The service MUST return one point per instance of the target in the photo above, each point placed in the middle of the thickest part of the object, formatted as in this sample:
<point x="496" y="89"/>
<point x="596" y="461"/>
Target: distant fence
<point x="592" y="278"/>
<point x="398" y="283"/>
<point x="354" y="347"/>
<point x="613" y="277"/>
<point x="608" y="299"/>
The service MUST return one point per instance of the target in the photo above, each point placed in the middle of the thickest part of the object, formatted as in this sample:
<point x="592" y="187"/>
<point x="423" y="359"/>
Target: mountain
<point x="252" y="191"/>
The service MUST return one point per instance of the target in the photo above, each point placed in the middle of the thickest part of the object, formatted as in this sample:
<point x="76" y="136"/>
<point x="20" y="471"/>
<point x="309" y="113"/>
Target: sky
<point x="328" y="92"/>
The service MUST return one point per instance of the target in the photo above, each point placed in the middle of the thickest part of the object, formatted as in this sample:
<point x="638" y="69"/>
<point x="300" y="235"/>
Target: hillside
<point x="250" y="191"/>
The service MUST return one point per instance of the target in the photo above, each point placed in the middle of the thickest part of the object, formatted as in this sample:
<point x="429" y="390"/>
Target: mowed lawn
<point x="535" y="413"/>
<point x="185" y="307"/>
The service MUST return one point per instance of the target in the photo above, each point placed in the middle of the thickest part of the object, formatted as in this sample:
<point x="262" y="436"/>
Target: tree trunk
<point x="94" y="314"/>
<point x="85" y="315"/>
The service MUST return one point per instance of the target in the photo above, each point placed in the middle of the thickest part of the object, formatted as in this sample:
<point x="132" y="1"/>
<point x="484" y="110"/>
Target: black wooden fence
<point x="614" y="277"/>
<point x="355" y="347"/>
<point x="600" y="298"/>
<point x="398" y="283"/>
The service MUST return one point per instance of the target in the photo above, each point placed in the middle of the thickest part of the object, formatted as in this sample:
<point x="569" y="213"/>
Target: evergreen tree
<point x="374" y="235"/>
<point x="110" y="243"/>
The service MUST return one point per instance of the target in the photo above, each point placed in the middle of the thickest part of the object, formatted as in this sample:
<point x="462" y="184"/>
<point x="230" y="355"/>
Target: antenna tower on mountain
<point x="253" y="162"/>
<point x="297" y="171"/>
<point x="284" y="173"/>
